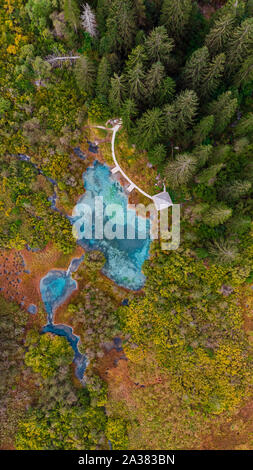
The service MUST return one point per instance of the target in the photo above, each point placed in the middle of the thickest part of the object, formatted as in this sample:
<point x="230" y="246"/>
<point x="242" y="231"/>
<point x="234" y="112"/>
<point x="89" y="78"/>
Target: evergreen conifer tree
<point x="217" y="215"/>
<point x="85" y="74"/>
<point x="234" y="191"/>
<point x="117" y="92"/>
<point x="223" y="110"/>
<point x="213" y="75"/>
<point x="136" y="82"/>
<point x="175" y="16"/>
<point x="121" y="25"/>
<point x="245" y="73"/>
<point x="220" y="33"/>
<point x="166" y="91"/>
<point x="239" y="225"/>
<point x="72" y="13"/>
<point x="208" y="175"/>
<point x="224" y="251"/>
<point x="157" y="154"/>
<point x="102" y="11"/>
<point x="202" y="154"/>
<point x="141" y="12"/>
<point x="185" y="106"/>
<point x="245" y="126"/>
<point x="203" y="129"/>
<point x="103" y="79"/>
<point x="154" y="78"/>
<point x="158" y="45"/>
<point x="128" y="112"/>
<point x="169" y="120"/>
<point x="181" y="170"/>
<point x="195" y="68"/>
<point x="149" y="128"/>
<point x="137" y="56"/>
<point x="240" y="45"/>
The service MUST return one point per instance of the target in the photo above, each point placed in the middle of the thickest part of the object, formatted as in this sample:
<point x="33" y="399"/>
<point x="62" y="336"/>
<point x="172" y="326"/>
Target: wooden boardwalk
<point x="161" y="200"/>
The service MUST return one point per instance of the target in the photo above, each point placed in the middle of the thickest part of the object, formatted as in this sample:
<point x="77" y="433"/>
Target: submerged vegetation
<point x="180" y="74"/>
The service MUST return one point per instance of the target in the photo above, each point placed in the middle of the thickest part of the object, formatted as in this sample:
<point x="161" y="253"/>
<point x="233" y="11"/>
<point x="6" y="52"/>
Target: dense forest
<point x="180" y="75"/>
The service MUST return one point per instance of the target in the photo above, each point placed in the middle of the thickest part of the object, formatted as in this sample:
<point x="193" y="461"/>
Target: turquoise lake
<point x="124" y="257"/>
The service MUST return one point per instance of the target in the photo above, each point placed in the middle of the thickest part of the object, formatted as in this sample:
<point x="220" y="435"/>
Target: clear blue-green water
<point x="55" y="288"/>
<point x="80" y="360"/>
<point x="124" y="257"/>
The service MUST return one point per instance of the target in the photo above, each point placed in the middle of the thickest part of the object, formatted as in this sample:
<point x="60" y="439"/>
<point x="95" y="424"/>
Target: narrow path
<point x="161" y="200"/>
<point x="117" y="168"/>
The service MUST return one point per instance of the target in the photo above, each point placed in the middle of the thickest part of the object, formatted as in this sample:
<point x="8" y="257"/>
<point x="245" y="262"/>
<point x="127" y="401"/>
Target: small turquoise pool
<point x="55" y="288"/>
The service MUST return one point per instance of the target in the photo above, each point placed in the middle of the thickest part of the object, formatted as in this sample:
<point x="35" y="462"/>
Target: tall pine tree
<point x="136" y="82"/>
<point x="245" y="126"/>
<point x="195" y="68"/>
<point x="117" y="92"/>
<point x="141" y="12"/>
<point x="224" y="251"/>
<point x="203" y="129"/>
<point x="220" y="33"/>
<point x="121" y="25"/>
<point x="149" y="128"/>
<point x="128" y="112"/>
<point x="240" y="45"/>
<point x="85" y="74"/>
<point x="185" y="106"/>
<point x="213" y="76"/>
<point x="175" y="16"/>
<point x="208" y="175"/>
<point x="72" y="13"/>
<point x="217" y="215"/>
<point x="236" y="190"/>
<point x="202" y="154"/>
<point x="169" y="120"/>
<point x="181" y="170"/>
<point x="103" y="79"/>
<point x="158" y="45"/>
<point x="154" y="78"/>
<point x="245" y="73"/>
<point x="223" y="110"/>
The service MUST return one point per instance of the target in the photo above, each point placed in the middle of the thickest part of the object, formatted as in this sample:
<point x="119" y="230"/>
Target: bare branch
<point x="88" y="20"/>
